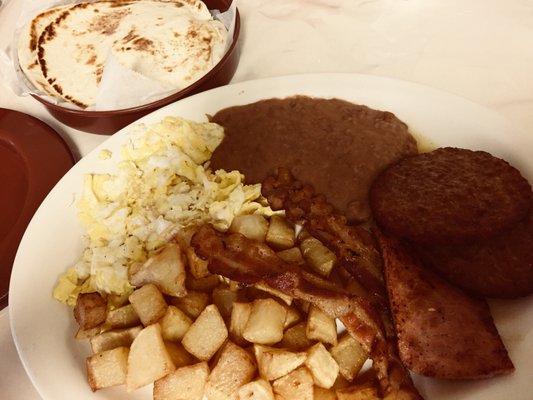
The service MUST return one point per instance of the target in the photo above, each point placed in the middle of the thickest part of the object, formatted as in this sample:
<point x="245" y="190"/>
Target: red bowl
<point x="109" y="122"/>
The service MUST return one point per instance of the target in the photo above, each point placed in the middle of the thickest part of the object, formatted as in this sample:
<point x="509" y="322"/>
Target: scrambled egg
<point x="162" y="186"/>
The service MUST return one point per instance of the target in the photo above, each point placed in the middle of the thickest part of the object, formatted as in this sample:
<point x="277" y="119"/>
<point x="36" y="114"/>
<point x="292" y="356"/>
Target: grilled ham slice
<point x="442" y="332"/>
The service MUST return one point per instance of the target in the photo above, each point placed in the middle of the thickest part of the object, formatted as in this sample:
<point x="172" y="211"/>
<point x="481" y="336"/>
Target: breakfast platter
<point x="43" y="328"/>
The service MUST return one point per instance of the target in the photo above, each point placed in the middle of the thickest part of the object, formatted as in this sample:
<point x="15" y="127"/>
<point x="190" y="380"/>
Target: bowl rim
<point x="157" y="103"/>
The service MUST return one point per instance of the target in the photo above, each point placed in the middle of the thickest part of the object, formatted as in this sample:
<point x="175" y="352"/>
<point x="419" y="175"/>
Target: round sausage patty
<point x="449" y="195"/>
<point x="500" y="267"/>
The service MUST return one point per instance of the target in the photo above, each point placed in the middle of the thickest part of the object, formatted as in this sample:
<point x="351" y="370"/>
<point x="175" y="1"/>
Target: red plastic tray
<point x="33" y="157"/>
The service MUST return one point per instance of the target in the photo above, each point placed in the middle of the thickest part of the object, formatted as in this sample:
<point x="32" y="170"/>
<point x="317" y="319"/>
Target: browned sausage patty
<point x="448" y="196"/>
<point x="500" y="267"/>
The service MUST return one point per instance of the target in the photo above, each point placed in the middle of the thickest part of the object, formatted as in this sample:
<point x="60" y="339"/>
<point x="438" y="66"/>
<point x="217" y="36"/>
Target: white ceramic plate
<point x="43" y="329"/>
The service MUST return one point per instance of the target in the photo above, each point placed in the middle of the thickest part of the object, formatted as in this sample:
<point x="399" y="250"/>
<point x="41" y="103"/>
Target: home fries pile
<point x="154" y="313"/>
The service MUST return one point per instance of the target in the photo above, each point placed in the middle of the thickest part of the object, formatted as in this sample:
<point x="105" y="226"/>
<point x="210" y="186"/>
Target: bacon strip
<point x="249" y="262"/>
<point x="354" y="246"/>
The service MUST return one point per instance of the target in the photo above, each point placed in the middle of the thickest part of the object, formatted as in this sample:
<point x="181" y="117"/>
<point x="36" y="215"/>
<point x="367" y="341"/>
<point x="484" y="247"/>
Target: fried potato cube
<point x="324" y="394"/>
<point x="123" y="317"/>
<point x="295" y="338"/>
<point x="349" y="355"/>
<point x="86" y="334"/>
<point x="180" y="357"/>
<point x="293" y="255"/>
<point x="358" y="392"/>
<point x="235" y="367"/>
<point x="112" y="339"/>
<point x="256" y="390"/>
<point x="204" y="284"/>
<point x="192" y="304"/>
<point x="148" y="360"/>
<point x="197" y="266"/>
<point x="107" y="368"/>
<point x="174" y="324"/>
<point x="265" y="325"/>
<point x="273" y="363"/>
<point x="224" y="298"/>
<point x="253" y="226"/>
<point x="321" y="326"/>
<point x="318" y="256"/>
<point x="293" y="316"/>
<point x="322" y="366"/>
<point x="239" y="318"/>
<point x="206" y="334"/>
<point x="90" y="310"/>
<point x="166" y="270"/>
<point x="296" y="385"/>
<point x="280" y="234"/>
<point x="186" y="383"/>
<point x="265" y="288"/>
<point x="149" y="304"/>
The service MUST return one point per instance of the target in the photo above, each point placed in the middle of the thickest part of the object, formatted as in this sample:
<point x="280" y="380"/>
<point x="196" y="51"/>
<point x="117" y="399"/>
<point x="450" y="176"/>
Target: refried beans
<point x="336" y="146"/>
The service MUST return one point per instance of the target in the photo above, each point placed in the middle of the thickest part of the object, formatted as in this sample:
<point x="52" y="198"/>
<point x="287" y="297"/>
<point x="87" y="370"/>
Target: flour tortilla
<point x="27" y="48"/>
<point x="172" y="42"/>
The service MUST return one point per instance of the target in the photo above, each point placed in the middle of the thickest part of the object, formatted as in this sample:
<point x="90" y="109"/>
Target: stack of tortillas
<point x="63" y="51"/>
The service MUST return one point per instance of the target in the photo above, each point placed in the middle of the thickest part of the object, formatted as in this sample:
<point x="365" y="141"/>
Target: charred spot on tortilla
<point x="99" y="73"/>
<point x="57" y="88"/>
<point x="142" y="44"/>
<point x="337" y="146"/>
<point x="91" y="60"/>
<point x="120" y="4"/>
<point x="107" y="24"/>
<point x="34" y="36"/>
<point x="129" y="37"/>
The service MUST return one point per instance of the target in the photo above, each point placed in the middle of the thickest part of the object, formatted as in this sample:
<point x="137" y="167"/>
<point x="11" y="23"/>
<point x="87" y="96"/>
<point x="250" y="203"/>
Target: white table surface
<point x="479" y="49"/>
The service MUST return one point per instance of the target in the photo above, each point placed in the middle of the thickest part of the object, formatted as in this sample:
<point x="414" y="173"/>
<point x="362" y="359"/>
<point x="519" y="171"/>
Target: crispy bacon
<point x="354" y="246"/>
<point x="246" y="261"/>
